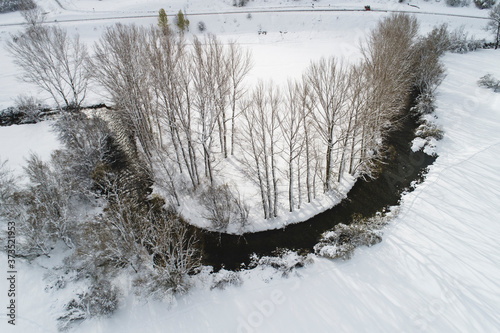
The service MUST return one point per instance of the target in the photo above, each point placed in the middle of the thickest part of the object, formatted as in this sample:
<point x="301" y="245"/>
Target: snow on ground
<point x="435" y="271"/>
<point x="19" y="141"/>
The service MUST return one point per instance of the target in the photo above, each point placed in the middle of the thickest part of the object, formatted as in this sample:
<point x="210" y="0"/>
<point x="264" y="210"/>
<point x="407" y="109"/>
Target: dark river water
<point x="401" y="168"/>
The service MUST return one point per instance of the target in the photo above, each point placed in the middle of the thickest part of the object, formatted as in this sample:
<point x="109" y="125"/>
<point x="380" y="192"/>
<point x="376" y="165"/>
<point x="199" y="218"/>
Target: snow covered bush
<point x="30" y="107"/>
<point x="425" y="104"/>
<point x="43" y="209"/>
<point x="457" y="3"/>
<point x="90" y="149"/>
<point x="202" y="26"/>
<point x="223" y="207"/>
<point x="488" y="81"/>
<point x="239" y="3"/>
<point x="460" y="42"/>
<point x="428" y="129"/>
<point x="342" y="242"/>
<point x="152" y="241"/>
<point x="6" y="181"/>
<point x="344" y="239"/>
<point x="13" y="5"/>
<point x="484" y="4"/>
<point x="284" y="262"/>
<point x="27" y="110"/>
<point x="102" y="299"/>
<point x="428" y="132"/>
<point x="224" y="278"/>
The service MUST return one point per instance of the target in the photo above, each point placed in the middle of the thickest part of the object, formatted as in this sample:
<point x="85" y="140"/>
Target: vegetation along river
<point x="401" y="167"/>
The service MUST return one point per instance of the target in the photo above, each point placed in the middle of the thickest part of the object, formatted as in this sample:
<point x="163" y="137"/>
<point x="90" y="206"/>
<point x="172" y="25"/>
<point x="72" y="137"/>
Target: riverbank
<point x="401" y="168"/>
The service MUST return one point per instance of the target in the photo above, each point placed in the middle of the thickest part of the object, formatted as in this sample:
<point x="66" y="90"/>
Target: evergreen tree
<point x="182" y="22"/>
<point x="162" y="19"/>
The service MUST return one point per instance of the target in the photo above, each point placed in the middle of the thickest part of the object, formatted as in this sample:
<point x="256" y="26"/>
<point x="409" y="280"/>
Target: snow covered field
<point x="436" y="270"/>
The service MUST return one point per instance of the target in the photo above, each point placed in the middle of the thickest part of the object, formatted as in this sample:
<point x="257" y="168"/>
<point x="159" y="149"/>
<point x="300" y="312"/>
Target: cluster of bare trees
<point x="183" y="107"/>
<point x="333" y="121"/>
<point x="176" y="104"/>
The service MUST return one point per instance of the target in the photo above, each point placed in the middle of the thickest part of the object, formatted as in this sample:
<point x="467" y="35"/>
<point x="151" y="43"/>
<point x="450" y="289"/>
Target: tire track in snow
<point x="252" y="11"/>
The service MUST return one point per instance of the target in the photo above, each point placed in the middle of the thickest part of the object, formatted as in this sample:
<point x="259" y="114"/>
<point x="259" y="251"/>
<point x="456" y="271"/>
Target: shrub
<point x="488" y="81"/>
<point x="284" y="262"/>
<point x="30" y="107"/>
<point x="484" y="4"/>
<point x="43" y="210"/>
<point x="457" y="3"/>
<point x="239" y="3"/>
<point x="429" y="130"/>
<point x="460" y="42"/>
<point x="224" y="278"/>
<point x="201" y="26"/>
<point x="343" y="240"/>
<point x="8" y="190"/>
<point x="102" y="299"/>
<point x="27" y="110"/>
<point x="14" y="5"/>
<point x="425" y="104"/>
<point x="223" y="207"/>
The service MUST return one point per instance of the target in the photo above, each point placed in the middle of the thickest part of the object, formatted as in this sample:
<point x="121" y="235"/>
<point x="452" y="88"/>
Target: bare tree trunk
<point x="239" y="64"/>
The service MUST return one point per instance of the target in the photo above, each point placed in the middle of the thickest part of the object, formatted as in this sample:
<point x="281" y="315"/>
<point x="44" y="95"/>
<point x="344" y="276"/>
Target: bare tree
<point x="119" y="66"/>
<point x="309" y="136"/>
<point x="429" y="72"/>
<point x="494" y="24"/>
<point x="389" y="79"/>
<point x="329" y="84"/>
<point x="172" y="246"/>
<point x="139" y="235"/>
<point x="33" y="15"/>
<point x="292" y="128"/>
<point x="53" y="61"/>
<point x="239" y="64"/>
<point x="261" y="134"/>
<point x="223" y="207"/>
<point x="357" y="114"/>
<point x="211" y="86"/>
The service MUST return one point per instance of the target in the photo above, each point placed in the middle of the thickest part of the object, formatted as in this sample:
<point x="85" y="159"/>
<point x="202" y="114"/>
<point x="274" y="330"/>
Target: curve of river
<point x="400" y="169"/>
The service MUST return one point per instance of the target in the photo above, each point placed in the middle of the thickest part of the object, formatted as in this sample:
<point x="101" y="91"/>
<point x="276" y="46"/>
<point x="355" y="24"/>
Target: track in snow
<point x="256" y="11"/>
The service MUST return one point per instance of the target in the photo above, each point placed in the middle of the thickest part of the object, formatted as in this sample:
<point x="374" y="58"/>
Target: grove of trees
<point x="183" y="107"/>
<point x="180" y="110"/>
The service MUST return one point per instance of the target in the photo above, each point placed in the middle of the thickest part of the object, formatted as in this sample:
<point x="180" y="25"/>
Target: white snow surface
<point x="19" y="141"/>
<point x="438" y="267"/>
